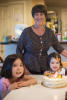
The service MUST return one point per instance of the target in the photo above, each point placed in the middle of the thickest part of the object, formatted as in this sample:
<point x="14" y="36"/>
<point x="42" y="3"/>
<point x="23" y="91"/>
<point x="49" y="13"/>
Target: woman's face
<point x="39" y="19"/>
<point x="17" y="69"/>
<point x="54" y="64"/>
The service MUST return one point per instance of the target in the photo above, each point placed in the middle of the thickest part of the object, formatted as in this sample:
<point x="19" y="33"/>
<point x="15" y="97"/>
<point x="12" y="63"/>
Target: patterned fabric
<point x="34" y="49"/>
<point x="4" y="84"/>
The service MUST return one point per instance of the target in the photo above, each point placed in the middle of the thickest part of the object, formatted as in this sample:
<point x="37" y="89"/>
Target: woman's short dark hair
<point x="54" y="55"/>
<point x="8" y="63"/>
<point x="39" y="9"/>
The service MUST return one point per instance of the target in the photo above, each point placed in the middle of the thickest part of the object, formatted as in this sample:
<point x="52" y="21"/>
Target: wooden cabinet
<point x="64" y="19"/>
<point x="11" y="14"/>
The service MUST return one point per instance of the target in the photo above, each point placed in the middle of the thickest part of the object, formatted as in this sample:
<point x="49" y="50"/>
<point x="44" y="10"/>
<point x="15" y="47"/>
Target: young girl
<point x="55" y="65"/>
<point x="13" y="75"/>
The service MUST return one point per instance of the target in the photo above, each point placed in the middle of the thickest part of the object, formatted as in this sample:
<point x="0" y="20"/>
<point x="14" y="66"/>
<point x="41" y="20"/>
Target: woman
<point x="36" y="40"/>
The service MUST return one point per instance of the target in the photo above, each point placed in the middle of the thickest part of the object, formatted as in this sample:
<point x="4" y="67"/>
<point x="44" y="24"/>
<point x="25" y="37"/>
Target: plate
<point x="54" y="87"/>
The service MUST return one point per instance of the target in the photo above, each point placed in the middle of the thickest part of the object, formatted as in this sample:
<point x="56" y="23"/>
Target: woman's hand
<point x="64" y="53"/>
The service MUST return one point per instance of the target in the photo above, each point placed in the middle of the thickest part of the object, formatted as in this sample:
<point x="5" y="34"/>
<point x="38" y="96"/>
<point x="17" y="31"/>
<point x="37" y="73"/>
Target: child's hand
<point x="14" y="86"/>
<point x="17" y="85"/>
<point x="29" y="81"/>
<point x="22" y="84"/>
<point x="47" y="73"/>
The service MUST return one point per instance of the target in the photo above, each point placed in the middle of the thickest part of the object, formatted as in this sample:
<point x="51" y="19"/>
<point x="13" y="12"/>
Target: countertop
<point x="9" y="42"/>
<point x="15" y="42"/>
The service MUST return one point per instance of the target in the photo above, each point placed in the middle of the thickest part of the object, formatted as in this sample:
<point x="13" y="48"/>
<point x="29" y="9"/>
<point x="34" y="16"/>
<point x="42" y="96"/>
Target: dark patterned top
<point x="35" y="49"/>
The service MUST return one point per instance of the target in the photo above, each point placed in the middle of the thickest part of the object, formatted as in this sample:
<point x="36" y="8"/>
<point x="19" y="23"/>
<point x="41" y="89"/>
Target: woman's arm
<point x="20" y="44"/>
<point x="64" y="53"/>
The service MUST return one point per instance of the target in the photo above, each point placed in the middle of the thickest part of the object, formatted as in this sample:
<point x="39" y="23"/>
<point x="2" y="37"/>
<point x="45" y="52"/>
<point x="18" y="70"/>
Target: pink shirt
<point x="4" y="84"/>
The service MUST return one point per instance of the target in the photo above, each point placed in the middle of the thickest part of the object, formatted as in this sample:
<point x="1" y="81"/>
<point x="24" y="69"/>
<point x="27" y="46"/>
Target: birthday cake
<point x="53" y="81"/>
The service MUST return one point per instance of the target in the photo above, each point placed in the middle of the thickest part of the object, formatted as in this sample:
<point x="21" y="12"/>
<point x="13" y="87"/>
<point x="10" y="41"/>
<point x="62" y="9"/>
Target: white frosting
<point x="54" y="82"/>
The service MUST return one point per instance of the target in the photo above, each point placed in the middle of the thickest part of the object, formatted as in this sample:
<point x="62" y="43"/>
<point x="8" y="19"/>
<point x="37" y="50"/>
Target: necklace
<point x="38" y="30"/>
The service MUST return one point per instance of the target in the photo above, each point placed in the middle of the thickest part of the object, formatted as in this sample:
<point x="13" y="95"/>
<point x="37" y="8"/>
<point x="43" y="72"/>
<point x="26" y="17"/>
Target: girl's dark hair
<point x="54" y="55"/>
<point x="7" y="65"/>
<point x="39" y="9"/>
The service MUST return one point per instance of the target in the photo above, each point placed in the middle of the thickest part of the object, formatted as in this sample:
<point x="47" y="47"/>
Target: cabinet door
<point x="3" y="17"/>
<point x="64" y="19"/>
<point x="10" y="15"/>
<point x="15" y="16"/>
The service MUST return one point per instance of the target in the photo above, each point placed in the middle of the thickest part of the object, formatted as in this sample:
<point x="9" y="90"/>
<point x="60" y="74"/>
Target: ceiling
<point x="62" y="3"/>
<point x="5" y="1"/>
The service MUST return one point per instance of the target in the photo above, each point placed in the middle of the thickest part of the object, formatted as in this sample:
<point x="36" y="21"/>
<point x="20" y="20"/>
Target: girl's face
<point x="17" y="69"/>
<point x="54" y="64"/>
<point x="39" y="19"/>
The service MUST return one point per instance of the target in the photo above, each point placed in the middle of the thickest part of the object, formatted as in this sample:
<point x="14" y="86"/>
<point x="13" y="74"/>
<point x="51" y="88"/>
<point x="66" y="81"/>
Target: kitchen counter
<point x="10" y="48"/>
<point x="15" y="42"/>
<point x="63" y="42"/>
<point x="9" y="42"/>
